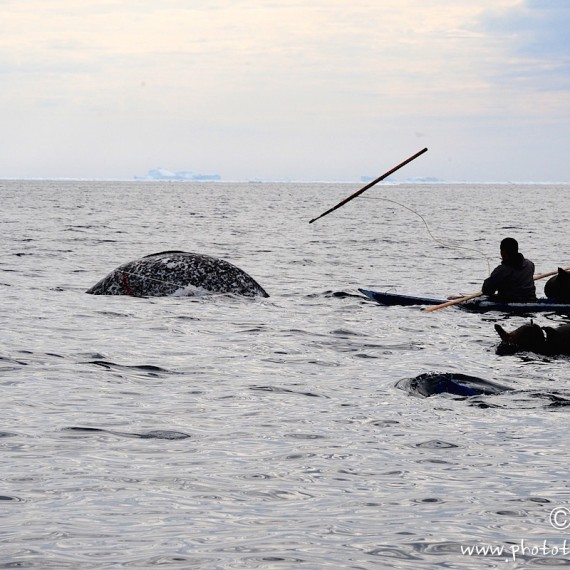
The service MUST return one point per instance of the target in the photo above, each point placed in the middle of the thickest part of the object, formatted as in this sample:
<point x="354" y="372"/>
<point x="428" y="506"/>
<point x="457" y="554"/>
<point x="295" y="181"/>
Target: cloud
<point x="263" y="84"/>
<point x="534" y="34"/>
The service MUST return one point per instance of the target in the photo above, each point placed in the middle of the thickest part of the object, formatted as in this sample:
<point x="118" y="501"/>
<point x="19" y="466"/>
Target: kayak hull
<point x="479" y="305"/>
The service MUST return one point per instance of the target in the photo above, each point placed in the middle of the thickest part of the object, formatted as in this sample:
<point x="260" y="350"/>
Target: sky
<point x="286" y="89"/>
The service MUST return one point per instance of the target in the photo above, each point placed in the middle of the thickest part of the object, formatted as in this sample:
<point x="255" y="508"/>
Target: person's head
<point x="509" y="248"/>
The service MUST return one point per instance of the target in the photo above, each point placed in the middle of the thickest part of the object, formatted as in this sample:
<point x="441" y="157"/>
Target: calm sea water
<point x="218" y="432"/>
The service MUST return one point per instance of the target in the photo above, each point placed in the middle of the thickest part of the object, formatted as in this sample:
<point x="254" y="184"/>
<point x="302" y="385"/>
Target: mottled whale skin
<point x="177" y="272"/>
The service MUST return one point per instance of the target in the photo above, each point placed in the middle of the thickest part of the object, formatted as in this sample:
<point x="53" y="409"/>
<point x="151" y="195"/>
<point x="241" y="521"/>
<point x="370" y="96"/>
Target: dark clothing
<point x="512" y="281"/>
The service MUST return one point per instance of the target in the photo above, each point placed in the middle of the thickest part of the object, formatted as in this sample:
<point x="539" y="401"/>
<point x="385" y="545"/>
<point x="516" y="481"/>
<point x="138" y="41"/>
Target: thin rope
<point x="436" y="240"/>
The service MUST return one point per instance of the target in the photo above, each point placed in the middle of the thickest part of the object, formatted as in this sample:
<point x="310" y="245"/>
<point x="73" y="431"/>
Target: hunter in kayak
<point x="512" y="281"/>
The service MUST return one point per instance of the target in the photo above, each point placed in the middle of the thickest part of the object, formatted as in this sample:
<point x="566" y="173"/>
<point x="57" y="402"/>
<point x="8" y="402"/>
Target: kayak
<point x="479" y="305"/>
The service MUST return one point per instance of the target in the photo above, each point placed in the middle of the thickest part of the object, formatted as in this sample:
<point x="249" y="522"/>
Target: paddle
<point x="369" y="185"/>
<point x="479" y="294"/>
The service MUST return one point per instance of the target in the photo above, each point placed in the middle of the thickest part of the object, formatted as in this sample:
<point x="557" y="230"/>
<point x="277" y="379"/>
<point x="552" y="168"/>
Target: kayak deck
<point x="480" y="305"/>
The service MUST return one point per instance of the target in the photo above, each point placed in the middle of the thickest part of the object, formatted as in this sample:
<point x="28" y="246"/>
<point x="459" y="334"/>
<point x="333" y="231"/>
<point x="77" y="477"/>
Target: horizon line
<point x="419" y="181"/>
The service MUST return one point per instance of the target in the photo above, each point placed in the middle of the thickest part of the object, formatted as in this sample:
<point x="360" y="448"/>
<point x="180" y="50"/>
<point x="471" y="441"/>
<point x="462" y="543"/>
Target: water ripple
<point x="154" y="434"/>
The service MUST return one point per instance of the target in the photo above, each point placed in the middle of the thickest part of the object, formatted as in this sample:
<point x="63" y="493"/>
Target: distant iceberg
<point x="415" y="180"/>
<point x="181" y="175"/>
<point x="423" y="180"/>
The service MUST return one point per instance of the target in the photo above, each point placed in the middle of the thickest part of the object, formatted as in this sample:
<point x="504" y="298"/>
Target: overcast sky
<point x="285" y="89"/>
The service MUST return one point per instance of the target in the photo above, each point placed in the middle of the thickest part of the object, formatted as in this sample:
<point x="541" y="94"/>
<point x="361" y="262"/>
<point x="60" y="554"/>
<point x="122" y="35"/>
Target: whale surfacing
<point x="177" y="273"/>
<point x="433" y="383"/>
<point x="548" y="341"/>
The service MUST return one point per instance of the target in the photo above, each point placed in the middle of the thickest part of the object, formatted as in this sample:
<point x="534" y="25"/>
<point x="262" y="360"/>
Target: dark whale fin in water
<point x="530" y="337"/>
<point x="432" y="383"/>
<point x="502" y="333"/>
<point x="177" y="273"/>
<point x="558" y="287"/>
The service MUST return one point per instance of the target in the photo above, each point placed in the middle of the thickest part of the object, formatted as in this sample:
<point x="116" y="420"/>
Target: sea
<point x="221" y="432"/>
